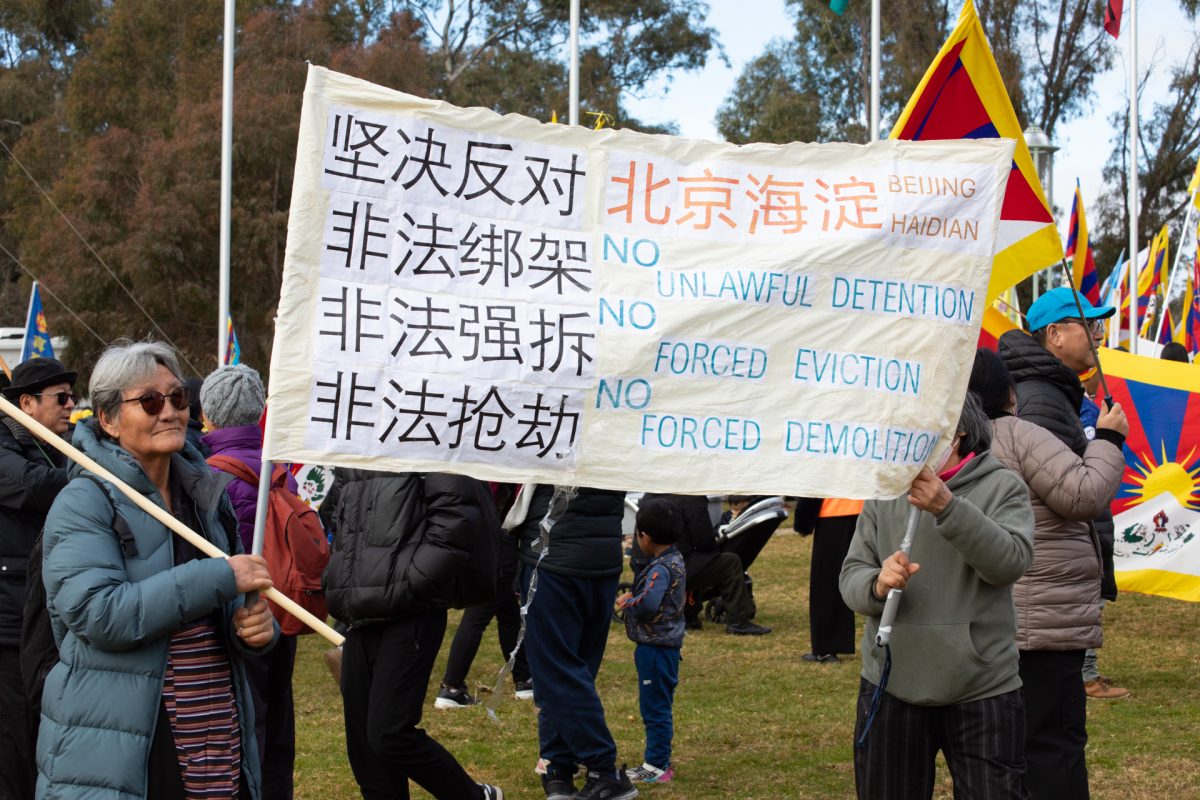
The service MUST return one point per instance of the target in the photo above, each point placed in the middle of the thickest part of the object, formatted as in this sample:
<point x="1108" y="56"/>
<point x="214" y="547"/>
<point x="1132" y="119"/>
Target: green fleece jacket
<point x="953" y="639"/>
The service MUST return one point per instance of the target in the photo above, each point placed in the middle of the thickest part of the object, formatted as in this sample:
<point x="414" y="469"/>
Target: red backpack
<point x="294" y="545"/>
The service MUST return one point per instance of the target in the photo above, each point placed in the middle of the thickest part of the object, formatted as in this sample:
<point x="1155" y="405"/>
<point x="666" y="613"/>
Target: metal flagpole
<point x="1133" y="178"/>
<point x="573" y="80"/>
<point x="226" y="178"/>
<point x="874" y="70"/>
<point x="1187" y="226"/>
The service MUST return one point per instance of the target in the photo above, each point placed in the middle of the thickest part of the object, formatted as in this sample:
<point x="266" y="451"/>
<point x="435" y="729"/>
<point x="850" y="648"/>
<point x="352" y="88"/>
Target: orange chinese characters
<point x="649" y="187"/>
<point x="779" y="204"/>
<point x="851" y="199"/>
<point x="707" y="193"/>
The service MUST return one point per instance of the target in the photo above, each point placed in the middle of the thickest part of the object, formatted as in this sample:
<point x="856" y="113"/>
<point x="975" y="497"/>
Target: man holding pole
<point x="31" y="476"/>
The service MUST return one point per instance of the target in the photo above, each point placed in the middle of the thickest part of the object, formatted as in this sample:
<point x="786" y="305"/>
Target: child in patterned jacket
<point x="654" y="621"/>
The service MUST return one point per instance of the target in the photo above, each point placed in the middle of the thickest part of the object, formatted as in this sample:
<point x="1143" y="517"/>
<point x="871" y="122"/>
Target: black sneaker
<point x="491" y="792"/>
<point x="607" y="787"/>
<point x="820" y="658"/>
<point x="558" y="788"/>
<point x="747" y="628"/>
<point x="456" y="697"/>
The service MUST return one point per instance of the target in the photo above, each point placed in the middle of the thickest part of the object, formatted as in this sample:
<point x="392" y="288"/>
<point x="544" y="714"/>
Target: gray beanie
<point x="233" y="395"/>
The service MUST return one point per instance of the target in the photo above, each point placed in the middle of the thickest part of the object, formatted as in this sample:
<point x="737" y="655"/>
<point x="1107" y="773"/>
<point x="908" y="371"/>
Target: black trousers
<point x="723" y="572"/>
<point x="1055" y="724"/>
<point x="17" y="769"/>
<point x="507" y="611"/>
<point x="270" y="678"/>
<point x="981" y="740"/>
<point x="830" y="621"/>
<point x="385" y="673"/>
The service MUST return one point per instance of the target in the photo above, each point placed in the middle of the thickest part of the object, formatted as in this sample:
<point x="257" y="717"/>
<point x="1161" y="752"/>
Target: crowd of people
<point x="133" y="666"/>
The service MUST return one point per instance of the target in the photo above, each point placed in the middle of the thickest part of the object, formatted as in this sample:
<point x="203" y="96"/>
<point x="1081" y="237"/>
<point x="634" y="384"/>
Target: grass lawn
<point x="754" y="721"/>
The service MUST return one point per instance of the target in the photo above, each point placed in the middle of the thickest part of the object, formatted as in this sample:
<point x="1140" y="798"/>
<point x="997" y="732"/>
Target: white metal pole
<point x="226" y="178"/>
<point x="573" y="111"/>
<point x="874" y="70"/>
<point x="1133" y="178"/>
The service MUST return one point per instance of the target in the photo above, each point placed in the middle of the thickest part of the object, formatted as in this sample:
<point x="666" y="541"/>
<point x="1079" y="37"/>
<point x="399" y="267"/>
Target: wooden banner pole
<point x="144" y="503"/>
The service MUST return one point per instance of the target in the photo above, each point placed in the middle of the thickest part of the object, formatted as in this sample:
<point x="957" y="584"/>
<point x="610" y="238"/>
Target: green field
<point x="754" y="721"/>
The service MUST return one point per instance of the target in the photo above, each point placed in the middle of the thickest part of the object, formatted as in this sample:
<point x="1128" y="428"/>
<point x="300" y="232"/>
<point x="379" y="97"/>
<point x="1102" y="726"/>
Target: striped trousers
<point x="983" y="742"/>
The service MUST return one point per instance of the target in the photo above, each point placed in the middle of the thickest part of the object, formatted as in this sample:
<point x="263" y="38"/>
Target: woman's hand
<point x="250" y="572"/>
<point x="929" y="493"/>
<point x="254" y="623"/>
<point x="894" y="574"/>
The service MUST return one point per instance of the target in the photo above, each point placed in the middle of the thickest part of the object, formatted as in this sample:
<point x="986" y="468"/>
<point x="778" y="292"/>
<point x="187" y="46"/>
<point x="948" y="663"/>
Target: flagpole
<point x="573" y="78"/>
<point x="226" y="177"/>
<point x="1187" y="226"/>
<point x="28" y="315"/>
<point x="874" y="71"/>
<point x="1133" y="178"/>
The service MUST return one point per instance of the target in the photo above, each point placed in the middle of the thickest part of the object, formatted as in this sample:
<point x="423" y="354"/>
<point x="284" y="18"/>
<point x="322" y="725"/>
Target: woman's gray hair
<point x="126" y="364"/>
<point x="973" y="426"/>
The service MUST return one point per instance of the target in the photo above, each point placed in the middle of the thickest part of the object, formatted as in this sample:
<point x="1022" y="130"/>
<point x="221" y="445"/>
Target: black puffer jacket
<point x="31" y="476"/>
<point x="585" y="542"/>
<point x="407" y="542"/>
<point x="1048" y="392"/>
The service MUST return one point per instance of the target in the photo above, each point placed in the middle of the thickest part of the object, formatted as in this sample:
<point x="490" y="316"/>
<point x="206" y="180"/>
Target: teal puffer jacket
<point x="113" y="617"/>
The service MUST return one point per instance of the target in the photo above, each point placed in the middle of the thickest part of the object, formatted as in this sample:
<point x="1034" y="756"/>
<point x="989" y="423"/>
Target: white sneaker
<point x="524" y="690"/>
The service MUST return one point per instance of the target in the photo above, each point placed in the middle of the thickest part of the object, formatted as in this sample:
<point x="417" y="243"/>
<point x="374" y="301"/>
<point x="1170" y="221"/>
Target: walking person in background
<point x="31" y="476"/>
<point x="654" y="621"/>
<point x="232" y="399"/>
<point x="567" y="626"/>
<point x="408" y="547"/>
<point x="831" y="522"/>
<point x="505" y="609"/>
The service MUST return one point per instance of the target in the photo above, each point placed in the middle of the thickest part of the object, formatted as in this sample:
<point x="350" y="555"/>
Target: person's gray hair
<point x="126" y="364"/>
<point x="233" y="396"/>
<point x="973" y="426"/>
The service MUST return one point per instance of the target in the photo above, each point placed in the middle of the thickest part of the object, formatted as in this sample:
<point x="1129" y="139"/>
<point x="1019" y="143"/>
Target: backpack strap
<point x="235" y="467"/>
<point x="120" y="525"/>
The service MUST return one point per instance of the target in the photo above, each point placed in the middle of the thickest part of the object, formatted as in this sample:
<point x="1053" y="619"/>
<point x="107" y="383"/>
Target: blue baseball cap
<point x="1059" y="304"/>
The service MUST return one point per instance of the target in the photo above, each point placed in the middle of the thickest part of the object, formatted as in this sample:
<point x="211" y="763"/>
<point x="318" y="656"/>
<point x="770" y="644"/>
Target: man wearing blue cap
<point x="1058" y="598"/>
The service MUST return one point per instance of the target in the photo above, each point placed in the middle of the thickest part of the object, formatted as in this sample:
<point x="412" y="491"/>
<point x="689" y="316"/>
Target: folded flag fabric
<point x="1079" y="252"/>
<point x="962" y="96"/>
<point x="1112" y="17"/>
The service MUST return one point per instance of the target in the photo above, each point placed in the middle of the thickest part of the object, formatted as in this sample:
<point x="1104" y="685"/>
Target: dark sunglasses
<point x="153" y="402"/>
<point x="62" y="397"/>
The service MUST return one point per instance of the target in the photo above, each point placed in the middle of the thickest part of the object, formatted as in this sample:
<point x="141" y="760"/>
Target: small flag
<point x="1194" y="186"/>
<point x="1166" y="330"/>
<point x="1188" y="334"/>
<point x="233" y="351"/>
<point x="1079" y="252"/>
<point x="962" y="96"/>
<point x="838" y="6"/>
<point x="1149" y="276"/>
<point x="37" y="336"/>
<point x="1112" y="17"/>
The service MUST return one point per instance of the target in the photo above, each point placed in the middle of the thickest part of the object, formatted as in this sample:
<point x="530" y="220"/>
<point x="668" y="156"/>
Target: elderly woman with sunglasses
<point x="149" y="698"/>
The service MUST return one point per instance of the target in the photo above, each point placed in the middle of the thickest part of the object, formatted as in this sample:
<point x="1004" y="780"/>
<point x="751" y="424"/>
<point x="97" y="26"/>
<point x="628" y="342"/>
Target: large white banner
<point x="521" y="301"/>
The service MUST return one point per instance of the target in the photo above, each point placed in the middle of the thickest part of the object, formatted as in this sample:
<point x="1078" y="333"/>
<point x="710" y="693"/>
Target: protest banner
<point x="465" y="292"/>
<point x="1156" y="512"/>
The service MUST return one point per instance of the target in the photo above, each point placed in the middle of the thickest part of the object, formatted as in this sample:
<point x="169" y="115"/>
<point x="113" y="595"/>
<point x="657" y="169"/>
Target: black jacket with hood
<point x="407" y="542"/>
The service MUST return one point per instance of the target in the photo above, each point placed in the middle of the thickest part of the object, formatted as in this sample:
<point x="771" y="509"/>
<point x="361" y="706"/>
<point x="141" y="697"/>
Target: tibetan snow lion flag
<point x="1157" y="508"/>
<point x="962" y="96"/>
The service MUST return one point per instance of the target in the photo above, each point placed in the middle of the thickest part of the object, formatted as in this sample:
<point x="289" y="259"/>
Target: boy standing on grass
<point x="654" y="621"/>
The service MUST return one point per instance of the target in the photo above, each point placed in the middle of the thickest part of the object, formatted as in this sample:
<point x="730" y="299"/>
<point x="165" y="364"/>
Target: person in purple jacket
<point x="232" y="401"/>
